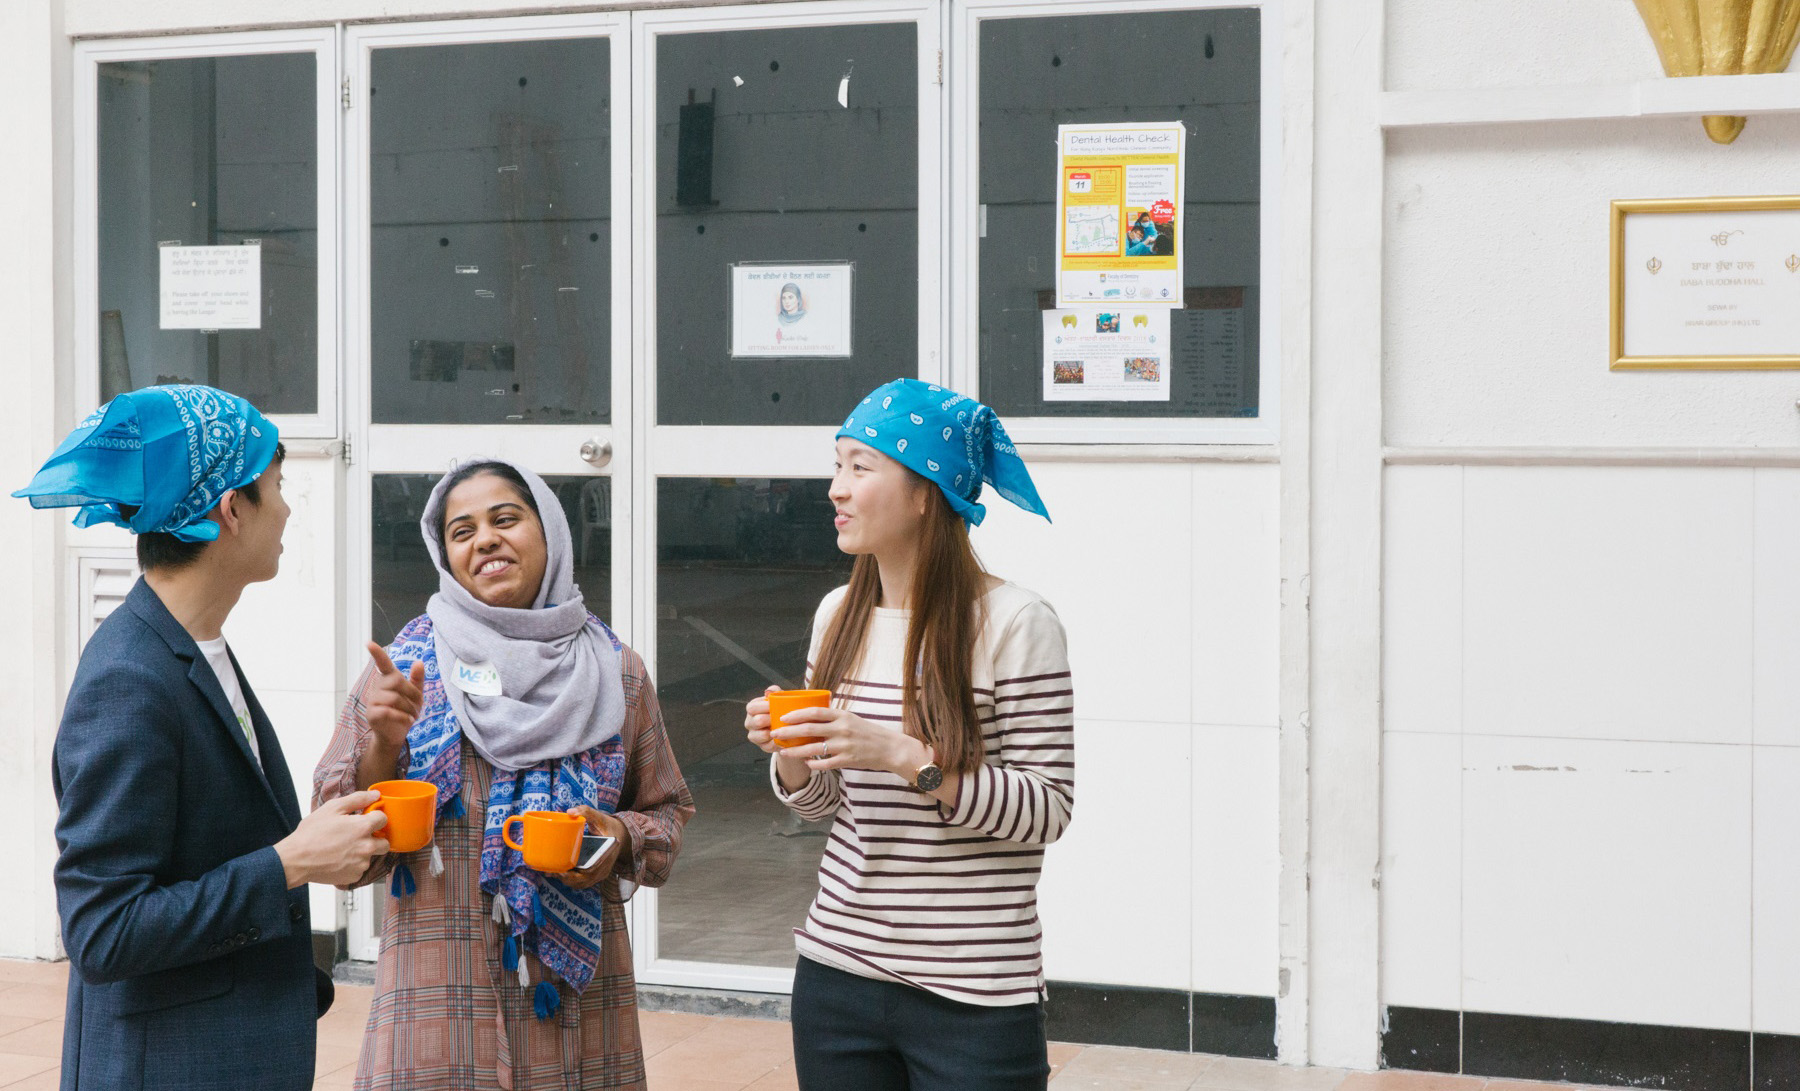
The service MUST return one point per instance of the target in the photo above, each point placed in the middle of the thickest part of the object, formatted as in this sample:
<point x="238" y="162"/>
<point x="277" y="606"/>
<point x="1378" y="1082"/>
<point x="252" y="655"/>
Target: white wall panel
<point x="1237" y="595"/>
<point x="1236" y="860"/>
<point x="1117" y="565"/>
<point x="1495" y="281"/>
<point x="1777" y="889"/>
<point x="1607" y="880"/>
<point x="1422" y="599"/>
<point x="285" y="631"/>
<point x="1777" y="606"/>
<point x="1421" y="870"/>
<point x="1116" y="895"/>
<point x="1513" y="43"/>
<point x="1608" y="603"/>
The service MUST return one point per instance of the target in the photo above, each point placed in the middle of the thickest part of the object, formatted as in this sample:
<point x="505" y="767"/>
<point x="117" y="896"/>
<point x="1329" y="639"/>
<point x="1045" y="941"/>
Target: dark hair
<point x="165" y="551"/>
<point x="475" y="469"/>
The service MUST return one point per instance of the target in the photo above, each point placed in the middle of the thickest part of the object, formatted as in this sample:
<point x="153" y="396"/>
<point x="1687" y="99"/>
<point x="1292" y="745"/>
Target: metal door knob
<point x="596" y="452"/>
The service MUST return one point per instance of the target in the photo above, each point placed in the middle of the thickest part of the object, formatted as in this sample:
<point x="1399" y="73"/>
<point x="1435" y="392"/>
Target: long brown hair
<point x="947" y="615"/>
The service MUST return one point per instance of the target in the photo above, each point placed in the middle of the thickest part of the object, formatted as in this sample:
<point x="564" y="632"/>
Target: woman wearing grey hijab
<point x="509" y="697"/>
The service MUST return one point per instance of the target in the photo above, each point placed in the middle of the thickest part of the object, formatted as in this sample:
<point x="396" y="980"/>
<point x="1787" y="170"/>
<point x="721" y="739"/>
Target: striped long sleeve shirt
<point x="944" y="897"/>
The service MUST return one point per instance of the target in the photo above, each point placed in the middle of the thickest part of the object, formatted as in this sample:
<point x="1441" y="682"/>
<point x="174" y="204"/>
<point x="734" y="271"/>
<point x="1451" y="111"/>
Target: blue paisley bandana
<point x="950" y="439"/>
<point x="171" y="451"/>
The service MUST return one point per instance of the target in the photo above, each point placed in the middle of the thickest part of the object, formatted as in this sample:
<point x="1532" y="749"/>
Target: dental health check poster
<point x="1118" y="213"/>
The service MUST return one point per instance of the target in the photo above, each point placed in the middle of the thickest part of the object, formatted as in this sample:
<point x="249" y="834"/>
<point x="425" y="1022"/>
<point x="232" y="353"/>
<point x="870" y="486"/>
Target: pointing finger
<point x="383" y="665"/>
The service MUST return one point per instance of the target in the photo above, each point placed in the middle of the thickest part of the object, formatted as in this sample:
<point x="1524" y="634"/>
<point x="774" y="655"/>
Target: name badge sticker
<point x="478" y="679"/>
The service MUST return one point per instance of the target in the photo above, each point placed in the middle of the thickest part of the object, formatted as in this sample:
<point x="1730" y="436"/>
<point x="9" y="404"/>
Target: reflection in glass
<point x="1202" y="68"/>
<point x="742" y="565"/>
<point x="403" y="578"/>
<point x="775" y="170"/>
<point x="490" y="190"/>
<point x="211" y="151"/>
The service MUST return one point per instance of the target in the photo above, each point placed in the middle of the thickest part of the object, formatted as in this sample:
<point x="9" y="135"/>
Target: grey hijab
<point x="562" y="690"/>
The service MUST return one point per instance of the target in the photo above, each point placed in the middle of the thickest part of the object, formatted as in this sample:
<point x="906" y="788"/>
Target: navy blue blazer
<point x="191" y="962"/>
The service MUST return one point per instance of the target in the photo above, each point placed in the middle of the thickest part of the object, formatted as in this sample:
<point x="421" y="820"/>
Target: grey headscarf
<point x="562" y="687"/>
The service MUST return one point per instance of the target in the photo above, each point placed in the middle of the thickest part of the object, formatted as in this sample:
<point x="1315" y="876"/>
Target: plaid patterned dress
<point x="446" y="1016"/>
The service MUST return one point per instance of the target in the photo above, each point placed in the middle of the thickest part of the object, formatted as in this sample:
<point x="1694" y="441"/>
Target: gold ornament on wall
<point x="1722" y="38"/>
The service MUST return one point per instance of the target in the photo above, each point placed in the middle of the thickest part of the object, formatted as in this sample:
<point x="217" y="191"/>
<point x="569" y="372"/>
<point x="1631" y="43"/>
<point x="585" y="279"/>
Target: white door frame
<point x="429" y="448"/>
<point x="749" y="451"/>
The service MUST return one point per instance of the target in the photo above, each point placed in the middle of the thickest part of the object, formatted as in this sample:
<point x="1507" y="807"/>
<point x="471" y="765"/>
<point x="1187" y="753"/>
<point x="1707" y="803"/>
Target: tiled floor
<point x="712" y="1053"/>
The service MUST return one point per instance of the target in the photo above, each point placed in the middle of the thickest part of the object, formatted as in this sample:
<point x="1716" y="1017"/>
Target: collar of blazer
<point x="143" y="602"/>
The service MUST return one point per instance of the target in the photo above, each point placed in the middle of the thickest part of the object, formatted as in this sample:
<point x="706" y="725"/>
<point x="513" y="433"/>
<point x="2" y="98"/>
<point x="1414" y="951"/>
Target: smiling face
<point x="880" y="503"/>
<point x="494" y="542"/>
<point x="790" y="300"/>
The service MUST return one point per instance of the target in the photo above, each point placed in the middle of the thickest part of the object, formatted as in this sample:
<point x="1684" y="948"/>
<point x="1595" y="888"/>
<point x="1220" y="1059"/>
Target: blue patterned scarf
<point x="169" y="451"/>
<point x="537" y="913"/>
<point x="949" y="439"/>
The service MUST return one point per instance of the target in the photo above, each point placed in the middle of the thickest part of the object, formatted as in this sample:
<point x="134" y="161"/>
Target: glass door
<point x="487" y="174"/>
<point x="789" y="237"/>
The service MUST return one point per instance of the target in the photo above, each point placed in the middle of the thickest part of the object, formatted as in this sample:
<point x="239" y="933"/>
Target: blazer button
<point x="240" y="939"/>
<point x="295" y="912"/>
<point x="255" y="934"/>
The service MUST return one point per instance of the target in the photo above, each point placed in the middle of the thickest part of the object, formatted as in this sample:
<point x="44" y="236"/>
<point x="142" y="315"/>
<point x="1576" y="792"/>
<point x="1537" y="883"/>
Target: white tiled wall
<point x="1166" y="577"/>
<point x="1576" y="822"/>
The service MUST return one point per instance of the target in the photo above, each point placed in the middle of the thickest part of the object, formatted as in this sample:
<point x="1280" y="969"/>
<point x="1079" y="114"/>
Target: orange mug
<point x="411" y="808"/>
<point x="552" y="839"/>
<point x="784" y="701"/>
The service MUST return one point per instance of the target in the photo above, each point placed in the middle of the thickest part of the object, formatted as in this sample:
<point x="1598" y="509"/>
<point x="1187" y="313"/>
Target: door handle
<point x="596" y="453"/>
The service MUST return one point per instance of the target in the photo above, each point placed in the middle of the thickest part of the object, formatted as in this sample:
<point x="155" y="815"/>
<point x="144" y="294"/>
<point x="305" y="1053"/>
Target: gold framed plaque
<point x="1706" y="283"/>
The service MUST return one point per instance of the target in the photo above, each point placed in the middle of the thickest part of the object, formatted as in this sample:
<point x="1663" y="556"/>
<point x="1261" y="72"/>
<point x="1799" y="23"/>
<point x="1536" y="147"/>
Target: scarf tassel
<point x="509" y="952"/>
<point x="545" y="1001"/>
<point x="537" y="909"/>
<point x="437" y="862"/>
<point x="455" y="808"/>
<point x="403" y="885"/>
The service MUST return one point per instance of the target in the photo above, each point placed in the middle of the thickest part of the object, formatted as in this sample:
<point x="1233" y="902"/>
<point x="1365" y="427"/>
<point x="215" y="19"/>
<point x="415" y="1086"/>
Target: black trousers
<point x="857" y="1034"/>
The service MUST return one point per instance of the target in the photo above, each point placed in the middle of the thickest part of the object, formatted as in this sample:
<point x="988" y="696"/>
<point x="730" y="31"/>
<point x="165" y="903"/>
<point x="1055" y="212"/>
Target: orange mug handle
<point x="506" y="831"/>
<point x="378" y="805"/>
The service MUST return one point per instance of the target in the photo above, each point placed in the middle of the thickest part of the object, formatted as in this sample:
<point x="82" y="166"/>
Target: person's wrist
<point x="911" y="753"/>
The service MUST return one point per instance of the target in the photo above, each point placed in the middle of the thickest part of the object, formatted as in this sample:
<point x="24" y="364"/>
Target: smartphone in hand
<point x="593" y="846"/>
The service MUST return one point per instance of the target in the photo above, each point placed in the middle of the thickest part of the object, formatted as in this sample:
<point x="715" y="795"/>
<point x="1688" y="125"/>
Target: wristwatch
<point x="930" y="777"/>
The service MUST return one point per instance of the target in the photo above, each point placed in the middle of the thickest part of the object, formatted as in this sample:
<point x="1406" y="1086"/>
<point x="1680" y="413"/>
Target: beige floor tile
<point x="701" y="1059"/>
<point x="41" y="1039"/>
<point x="782" y="1079"/>
<point x="33" y="1000"/>
<point x="1153" y="1067"/>
<point x="21" y="971"/>
<point x="17" y="1066"/>
<point x="1409" y="1081"/>
<point x="50" y="1079"/>
<point x="11" y="1023"/>
<point x="1238" y="1074"/>
<point x="689" y="1083"/>
<point x="662" y="1029"/>
<point x="1534" y="1085"/>
<point x="330" y="1057"/>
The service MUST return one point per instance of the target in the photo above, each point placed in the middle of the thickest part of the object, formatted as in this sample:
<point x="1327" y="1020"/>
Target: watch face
<point x="929" y="779"/>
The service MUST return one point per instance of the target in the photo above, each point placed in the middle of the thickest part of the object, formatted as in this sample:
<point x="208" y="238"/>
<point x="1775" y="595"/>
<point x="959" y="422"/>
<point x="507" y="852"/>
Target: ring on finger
<point x="824" y="750"/>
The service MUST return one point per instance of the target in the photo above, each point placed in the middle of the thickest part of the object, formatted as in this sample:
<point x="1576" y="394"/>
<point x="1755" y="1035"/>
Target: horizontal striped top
<point x="945" y="898"/>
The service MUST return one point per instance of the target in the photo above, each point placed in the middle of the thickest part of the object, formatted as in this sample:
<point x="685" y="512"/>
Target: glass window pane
<point x="777" y="171"/>
<point x="490" y="196"/>
<point x="742" y="565"/>
<point x="212" y="151"/>
<point x="404" y="579"/>
<point x="1202" y="68"/>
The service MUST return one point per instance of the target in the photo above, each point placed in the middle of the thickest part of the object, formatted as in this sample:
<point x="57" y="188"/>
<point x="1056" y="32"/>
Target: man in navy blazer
<point x="182" y="879"/>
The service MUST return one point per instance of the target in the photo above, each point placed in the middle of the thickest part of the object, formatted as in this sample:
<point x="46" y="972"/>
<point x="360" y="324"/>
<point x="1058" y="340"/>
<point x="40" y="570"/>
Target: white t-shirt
<point x="215" y="653"/>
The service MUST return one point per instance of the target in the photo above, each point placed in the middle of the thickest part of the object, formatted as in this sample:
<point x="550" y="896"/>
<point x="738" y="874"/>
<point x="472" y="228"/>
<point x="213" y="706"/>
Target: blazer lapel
<point x="143" y="601"/>
<point x="274" y="765"/>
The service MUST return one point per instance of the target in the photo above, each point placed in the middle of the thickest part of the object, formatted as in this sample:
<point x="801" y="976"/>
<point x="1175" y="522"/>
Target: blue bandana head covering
<point x="170" y="451"/>
<point x="949" y="439"/>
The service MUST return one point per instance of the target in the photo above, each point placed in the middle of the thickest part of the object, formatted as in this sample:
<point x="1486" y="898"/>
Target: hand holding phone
<point x="593" y="847"/>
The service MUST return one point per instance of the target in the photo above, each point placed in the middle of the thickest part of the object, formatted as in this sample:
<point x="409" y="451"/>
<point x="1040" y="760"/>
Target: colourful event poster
<point x="1118" y="213"/>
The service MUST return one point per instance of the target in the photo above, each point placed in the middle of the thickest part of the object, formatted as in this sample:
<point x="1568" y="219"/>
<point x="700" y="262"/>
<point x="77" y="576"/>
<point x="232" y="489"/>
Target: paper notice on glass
<point x="791" y="310"/>
<point x="1107" y="356"/>
<point x="211" y="287"/>
<point x="1118" y="213"/>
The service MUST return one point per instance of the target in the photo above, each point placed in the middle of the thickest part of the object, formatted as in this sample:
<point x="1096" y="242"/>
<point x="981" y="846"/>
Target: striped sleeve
<point x="1025" y="792"/>
<point x="816" y="799"/>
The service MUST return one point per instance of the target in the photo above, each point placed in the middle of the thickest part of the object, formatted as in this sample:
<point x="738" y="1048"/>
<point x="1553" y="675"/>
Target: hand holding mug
<point x="606" y="825"/>
<point x="393" y="700"/>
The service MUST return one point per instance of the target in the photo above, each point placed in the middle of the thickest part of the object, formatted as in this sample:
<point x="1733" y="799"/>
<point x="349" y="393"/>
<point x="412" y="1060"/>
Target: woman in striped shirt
<point x="921" y="962"/>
